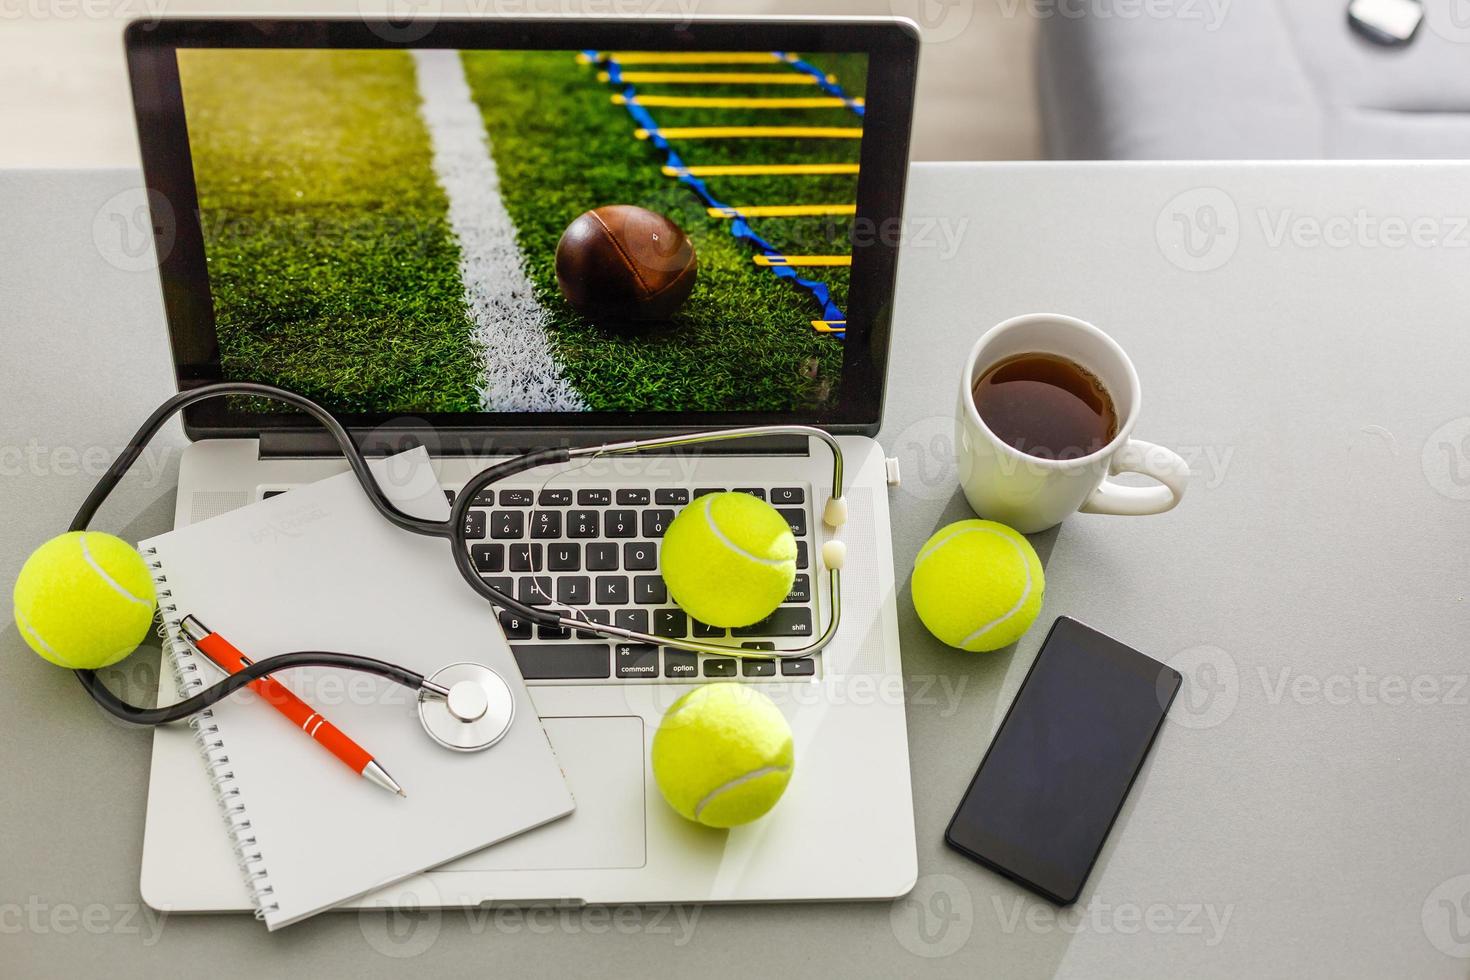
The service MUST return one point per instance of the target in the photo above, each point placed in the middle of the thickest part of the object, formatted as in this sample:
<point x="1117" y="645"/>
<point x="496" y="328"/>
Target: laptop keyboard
<point x="592" y="552"/>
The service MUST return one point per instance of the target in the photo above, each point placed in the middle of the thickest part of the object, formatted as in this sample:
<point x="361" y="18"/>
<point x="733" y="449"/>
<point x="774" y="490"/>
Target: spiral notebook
<point x="319" y="569"/>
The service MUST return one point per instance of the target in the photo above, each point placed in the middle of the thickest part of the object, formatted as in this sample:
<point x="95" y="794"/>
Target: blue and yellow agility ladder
<point x="613" y="69"/>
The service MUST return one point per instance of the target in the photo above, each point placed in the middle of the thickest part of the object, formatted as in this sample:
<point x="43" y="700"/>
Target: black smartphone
<point x="1053" y="780"/>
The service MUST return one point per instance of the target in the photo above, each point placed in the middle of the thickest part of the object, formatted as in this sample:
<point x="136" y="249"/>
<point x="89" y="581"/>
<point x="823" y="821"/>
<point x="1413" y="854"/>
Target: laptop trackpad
<point x="603" y="762"/>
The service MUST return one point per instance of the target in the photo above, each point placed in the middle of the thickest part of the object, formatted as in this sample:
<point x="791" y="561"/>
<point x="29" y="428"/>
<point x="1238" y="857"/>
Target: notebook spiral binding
<point x="211" y="748"/>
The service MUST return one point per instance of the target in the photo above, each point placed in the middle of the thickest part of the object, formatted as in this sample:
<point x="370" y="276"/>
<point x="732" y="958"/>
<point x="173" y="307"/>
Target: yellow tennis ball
<point x="978" y="585"/>
<point x="728" y="559"/>
<point x="84" y="600"/>
<point x="722" y="755"/>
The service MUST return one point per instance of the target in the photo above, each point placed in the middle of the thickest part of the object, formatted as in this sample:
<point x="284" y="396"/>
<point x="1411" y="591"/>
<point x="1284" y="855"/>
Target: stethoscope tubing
<point x="541" y="615"/>
<point x="184" y="399"/>
<point x="181" y="710"/>
<point x="455" y="530"/>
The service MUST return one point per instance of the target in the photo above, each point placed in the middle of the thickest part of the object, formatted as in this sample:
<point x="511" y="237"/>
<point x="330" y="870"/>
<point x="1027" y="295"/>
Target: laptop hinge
<point x="306" y="443"/>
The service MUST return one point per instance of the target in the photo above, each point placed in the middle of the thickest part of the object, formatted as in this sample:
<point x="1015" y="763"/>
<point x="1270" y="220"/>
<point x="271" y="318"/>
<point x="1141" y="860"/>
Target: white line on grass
<point x="520" y="373"/>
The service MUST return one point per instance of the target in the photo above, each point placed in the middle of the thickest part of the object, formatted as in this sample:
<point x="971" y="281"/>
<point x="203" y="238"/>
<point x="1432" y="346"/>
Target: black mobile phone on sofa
<point x="1055" y="777"/>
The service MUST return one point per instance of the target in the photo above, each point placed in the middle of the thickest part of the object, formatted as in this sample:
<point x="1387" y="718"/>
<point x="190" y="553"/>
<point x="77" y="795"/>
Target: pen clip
<point x="193" y="630"/>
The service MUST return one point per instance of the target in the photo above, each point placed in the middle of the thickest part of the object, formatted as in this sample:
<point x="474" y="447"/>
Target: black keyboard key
<point x="574" y="590"/>
<point x="632" y="619"/>
<point x="594" y="498"/>
<point x="753" y="491"/>
<point x="535" y="590"/>
<point x="516" y="626"/>
<point x="704" y="491"/>
<point x="271" y="493"/>
<point x="563" y="556"/>
<point x="507" y="524"/>
<point x="501" y="583"/>
<point x="801" y="559"/>
<point x="632" y="498"/>
<point x="620" y="523"/>
<point x="705" y="632"/>
<point x="612" y="590"/>
<point x="562" y="661"/>
<point x="448" y="496"/>
<point x="680" y="663"/>
<point x="672" y="623"/>
<point x="757" y="668"/>
<point x="488" y="557"/>
<point x="582" y="524"/>
<point x="719" y="667"/>
<point x="805" y="667"/>
<point x="640" y="556"/>
<point x="602" y="557"/>
<point x="796" y="517"/>
<point x="758" y="645"/>
<point x="474" y="525"/>
<point x="671" y="497"/>
<point x="785" y="621"/>
<point x="655" y="522"/>
<point x="649" y="590"/>
<point x="485" y="498"/>
<point x="546" y="524"/>
<point x="788" y="495"/>
<point x="525" y="558"/>
<point x="548" y="631"/>
<point x="515" y="498"/>
<point x="636" y="659"/>
<point x="554" y="498"/>
<point x="595" y="616"/>
<point x="801" y="589"/>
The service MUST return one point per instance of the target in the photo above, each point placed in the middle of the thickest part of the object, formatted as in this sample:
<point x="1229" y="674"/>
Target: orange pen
<point x="224" y="656"/>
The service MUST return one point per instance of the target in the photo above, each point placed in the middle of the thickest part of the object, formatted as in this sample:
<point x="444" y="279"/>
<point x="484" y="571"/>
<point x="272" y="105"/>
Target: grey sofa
<point x="1248" y="79"/>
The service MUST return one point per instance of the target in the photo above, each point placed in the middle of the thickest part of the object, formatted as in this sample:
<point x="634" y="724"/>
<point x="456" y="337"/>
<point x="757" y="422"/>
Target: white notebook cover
<point x="319" y="569"/>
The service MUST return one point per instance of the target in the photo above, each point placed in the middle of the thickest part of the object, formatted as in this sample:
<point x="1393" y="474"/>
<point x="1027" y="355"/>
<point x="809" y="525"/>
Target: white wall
<point x="64" y="99"/>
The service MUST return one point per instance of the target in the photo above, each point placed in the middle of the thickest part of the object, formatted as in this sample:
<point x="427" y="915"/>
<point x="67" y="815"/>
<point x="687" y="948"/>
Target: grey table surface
<point x="1305" y="810"/>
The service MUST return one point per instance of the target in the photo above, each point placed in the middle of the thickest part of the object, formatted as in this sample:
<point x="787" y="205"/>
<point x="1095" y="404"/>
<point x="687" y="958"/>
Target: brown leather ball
<point x="621" y="263"/>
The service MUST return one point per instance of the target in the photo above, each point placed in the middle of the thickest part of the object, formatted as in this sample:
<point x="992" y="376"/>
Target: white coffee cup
<point x="1030" y="493"/>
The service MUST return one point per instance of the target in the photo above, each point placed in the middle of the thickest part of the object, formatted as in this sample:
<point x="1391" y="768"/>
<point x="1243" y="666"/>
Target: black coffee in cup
<point x="1046" y="406"/>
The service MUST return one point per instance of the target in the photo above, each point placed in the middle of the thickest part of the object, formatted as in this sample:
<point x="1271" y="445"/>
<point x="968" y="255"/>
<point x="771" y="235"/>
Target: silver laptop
<point x="376" y="214"/>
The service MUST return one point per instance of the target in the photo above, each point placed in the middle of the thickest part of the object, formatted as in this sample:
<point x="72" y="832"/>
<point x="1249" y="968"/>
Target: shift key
<point x="562" y="661"/>
<point x="786" y="621"/>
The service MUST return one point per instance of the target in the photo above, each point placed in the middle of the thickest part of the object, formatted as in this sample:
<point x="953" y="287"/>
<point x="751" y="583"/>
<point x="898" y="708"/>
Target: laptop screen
<point x="436" y="230"/>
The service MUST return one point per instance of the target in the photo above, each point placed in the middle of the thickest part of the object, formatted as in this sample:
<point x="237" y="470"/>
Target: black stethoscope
<point x="455" y="703"/>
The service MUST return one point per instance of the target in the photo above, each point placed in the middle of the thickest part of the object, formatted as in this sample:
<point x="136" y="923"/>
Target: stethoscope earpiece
<point x="465" y="706"/>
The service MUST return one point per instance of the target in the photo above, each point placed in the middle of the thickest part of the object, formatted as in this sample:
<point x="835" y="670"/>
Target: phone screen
<point x="1057" y="773"/>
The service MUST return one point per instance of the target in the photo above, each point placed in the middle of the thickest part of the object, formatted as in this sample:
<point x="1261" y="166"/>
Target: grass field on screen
<point x="335" y="270"/>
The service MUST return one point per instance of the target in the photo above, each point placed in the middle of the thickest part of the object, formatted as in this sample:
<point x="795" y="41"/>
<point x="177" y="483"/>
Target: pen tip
<point x="403" y="794"/>
<point x="375" y="773"/>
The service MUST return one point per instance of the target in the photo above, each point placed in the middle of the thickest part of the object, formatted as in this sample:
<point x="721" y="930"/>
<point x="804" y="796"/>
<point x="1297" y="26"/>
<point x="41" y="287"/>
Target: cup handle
<point x="1138" y="456"/>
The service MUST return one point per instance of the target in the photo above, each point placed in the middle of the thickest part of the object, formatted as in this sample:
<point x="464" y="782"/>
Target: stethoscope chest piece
<point x="465" y="706"/>
<point x="477" y="712"/>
